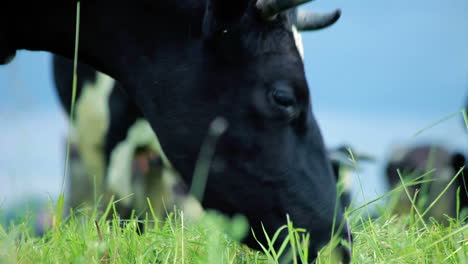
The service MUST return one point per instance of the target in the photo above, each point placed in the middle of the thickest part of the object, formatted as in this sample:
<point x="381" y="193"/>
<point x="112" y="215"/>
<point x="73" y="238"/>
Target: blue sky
<point x="391" y="56"/>
<point x="384" y="71"/>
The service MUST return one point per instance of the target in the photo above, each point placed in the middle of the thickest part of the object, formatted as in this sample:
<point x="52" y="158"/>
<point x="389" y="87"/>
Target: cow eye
<point x="284" y="100"/>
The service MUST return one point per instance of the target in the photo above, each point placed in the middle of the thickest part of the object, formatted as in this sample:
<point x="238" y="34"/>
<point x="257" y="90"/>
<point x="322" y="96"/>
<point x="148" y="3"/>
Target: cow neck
<point x="119" y="38"/>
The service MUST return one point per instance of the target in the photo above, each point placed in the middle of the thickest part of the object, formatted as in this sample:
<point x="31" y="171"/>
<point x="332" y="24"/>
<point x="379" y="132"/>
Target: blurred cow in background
<point x="439" y="165"/>
<point x="114" y="151"/>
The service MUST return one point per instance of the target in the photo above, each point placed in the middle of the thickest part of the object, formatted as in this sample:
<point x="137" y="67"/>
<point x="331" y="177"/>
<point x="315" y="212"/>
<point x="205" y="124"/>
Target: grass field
<point x="84" y="238"/>
<point x="90" y="239"/>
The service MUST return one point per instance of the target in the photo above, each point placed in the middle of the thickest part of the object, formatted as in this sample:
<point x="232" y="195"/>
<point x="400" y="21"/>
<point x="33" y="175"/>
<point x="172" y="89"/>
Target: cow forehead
<point x="275" y="50"/>
<point x="258" y="36"/>
<point x="283" y="43"/>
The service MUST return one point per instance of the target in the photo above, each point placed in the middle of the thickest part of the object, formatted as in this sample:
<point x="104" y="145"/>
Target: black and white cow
<point x="115" y="149"/>
<point x="440" y="166"/>
<point x="185" y="63"/>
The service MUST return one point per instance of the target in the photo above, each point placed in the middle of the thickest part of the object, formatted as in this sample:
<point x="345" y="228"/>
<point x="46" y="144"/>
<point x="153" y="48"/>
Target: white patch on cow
<point x="91" y="124"/>
<point x="120" y="170"/>
<point x="89" y="132"/>
<point x="346" y="177"/>
<point x="298" y="41"/>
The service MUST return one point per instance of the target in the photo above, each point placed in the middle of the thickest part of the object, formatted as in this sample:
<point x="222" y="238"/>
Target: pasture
<point x="90" y="239"/>
<point x="380" y="235"/>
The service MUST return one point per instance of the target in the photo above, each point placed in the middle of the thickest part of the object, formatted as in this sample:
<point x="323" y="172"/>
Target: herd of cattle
<point x="235" y="61"/>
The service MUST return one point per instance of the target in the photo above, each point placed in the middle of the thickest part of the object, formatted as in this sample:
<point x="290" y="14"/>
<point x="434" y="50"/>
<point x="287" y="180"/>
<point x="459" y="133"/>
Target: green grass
<point x="95" y="239"/>
<point x="91" y="239"/>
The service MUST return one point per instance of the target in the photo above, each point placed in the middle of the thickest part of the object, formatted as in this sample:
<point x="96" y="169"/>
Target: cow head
<point x="246" y="68"/>
<point x="186" y="63"/>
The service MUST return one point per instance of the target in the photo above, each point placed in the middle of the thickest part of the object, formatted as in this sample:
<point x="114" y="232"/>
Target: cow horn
<point x="307" y="20"/>
<point x="270" y="8"/>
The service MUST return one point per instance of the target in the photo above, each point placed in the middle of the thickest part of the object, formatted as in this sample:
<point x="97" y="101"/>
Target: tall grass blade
<point x="413" y="204"/>
<point x="441" y="121"/>
<point x="443" y="192"/>
<point x="74" y="83"/>
<point x="202" y="167"/>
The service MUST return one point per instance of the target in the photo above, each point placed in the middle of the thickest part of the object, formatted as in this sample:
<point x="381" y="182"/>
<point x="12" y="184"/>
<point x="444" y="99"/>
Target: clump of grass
<point x="82" y="238"/>
<point x="396" y="240"/>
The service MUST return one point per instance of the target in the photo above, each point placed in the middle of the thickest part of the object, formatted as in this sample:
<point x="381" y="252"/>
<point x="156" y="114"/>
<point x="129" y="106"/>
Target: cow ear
<point x="6" y="57"/>
<point x="458" y="161"/>
<point x="392" y="174"/>
<point x="222" y="13"/>
<point x="7" y="53"/>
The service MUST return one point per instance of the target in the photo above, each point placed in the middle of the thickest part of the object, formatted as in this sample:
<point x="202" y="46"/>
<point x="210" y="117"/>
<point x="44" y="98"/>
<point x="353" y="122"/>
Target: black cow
<point x="185" y="63"/>
<point x="439" y="165"/>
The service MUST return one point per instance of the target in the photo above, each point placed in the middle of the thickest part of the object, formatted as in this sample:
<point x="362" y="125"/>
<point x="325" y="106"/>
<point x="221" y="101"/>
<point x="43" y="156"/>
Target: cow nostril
<point x="340" y="254"/>
<point x="345" y="253"/>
